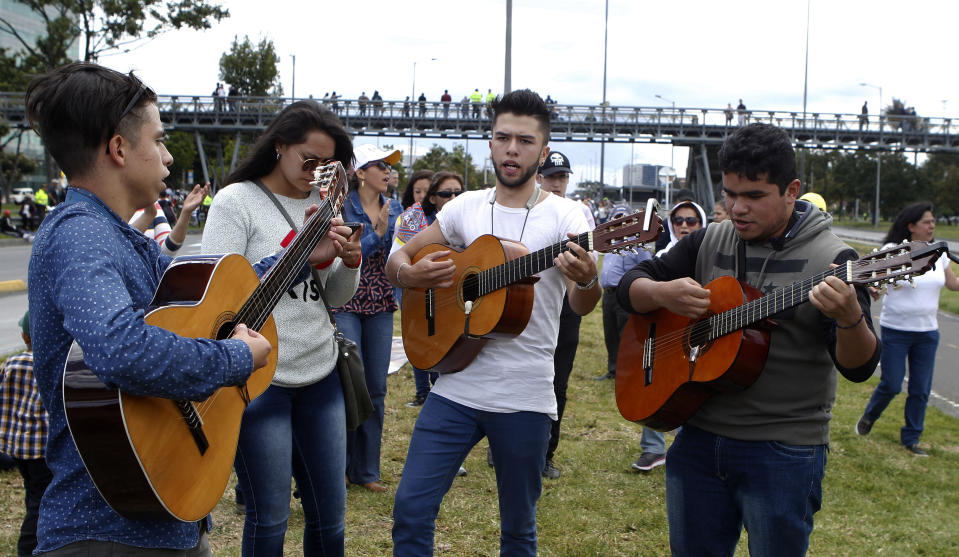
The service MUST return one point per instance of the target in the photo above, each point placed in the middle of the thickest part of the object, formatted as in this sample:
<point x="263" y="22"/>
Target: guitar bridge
<point x="194" y="422"/>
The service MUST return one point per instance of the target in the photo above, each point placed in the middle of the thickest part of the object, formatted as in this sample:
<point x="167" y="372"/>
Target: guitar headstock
<point x="901" y="262"/>
<point x="626" y="232"/>
<point x="330" y="179"/>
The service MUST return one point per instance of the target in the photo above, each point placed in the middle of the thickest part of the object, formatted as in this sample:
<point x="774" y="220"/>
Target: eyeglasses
<point x="382" y="165"/>
<point x="448" y="194"/>
<point x="690" y="221"/>
<point x="128" y="108"/>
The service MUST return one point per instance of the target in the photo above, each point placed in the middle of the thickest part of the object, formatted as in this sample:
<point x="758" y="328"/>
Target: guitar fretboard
<point x="515" y="270"/>
<point x="778" y="300"/>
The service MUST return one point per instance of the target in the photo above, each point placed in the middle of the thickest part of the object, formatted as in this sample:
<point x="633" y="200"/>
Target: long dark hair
<point x="435" y="184"/>
<point x="291" y="126"/>
<point x="408" y="192"/>
<point x="910" y="214"/>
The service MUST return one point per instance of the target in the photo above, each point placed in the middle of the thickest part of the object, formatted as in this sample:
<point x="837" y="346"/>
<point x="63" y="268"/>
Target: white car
<point x="19" y="194"/>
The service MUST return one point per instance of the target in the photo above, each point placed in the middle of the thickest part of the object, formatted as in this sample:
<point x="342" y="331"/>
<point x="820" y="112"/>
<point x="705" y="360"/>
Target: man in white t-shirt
<point x="506" y="392"/>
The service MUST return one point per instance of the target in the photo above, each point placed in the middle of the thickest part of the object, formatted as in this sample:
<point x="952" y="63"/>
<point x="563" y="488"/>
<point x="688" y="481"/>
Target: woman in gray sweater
<point x="297" y="427"/>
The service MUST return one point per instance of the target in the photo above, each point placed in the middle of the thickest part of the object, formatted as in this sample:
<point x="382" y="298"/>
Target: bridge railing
<point x="257" y="112"/>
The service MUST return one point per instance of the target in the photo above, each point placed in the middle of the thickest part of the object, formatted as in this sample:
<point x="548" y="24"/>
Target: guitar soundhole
<point x="225" y="330"/>
<point x="471" y="288"/>
<point x="699" y="335"/>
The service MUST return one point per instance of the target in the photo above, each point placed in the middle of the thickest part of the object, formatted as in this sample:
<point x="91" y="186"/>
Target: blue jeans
<point x="423" y="379"/>
<point x="716" y="485"/>
<point x="652" y="441"/>
<point x="444" y="434"/>
<point x="920" y="351"/>
<point x="373" y="335"/>
<point x="298" y="432"/>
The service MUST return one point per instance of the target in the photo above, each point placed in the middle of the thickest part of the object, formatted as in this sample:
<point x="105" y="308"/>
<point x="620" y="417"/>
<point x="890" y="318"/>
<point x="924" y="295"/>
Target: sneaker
<point x="418" y="401"/>
<point x="648" y="461"/>
<point x="489" y="457"/>
<point x="605" y="376"/>
<point x="550" y="471"/>
<point x="461" y="472"/>
<point x="863" y="426"/>
<point x="915" y="450"/>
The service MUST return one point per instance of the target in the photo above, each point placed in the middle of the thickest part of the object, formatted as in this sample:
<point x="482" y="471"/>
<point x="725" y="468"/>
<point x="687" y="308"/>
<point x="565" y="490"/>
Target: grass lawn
<point x="878" y="499"/>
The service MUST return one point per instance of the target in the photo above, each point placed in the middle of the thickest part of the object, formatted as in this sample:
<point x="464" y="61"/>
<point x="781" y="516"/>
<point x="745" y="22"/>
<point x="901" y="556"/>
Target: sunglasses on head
<point x="690" y="221"/>
<point x="448" y="194"/>
<point x="382" y="165"/>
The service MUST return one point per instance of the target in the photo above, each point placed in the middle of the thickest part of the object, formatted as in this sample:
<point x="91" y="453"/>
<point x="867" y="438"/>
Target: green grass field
<point x="878" y="499"/>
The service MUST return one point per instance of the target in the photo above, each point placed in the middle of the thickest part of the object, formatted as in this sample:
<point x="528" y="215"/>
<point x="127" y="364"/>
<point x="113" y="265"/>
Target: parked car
<point x="20" y="193"/>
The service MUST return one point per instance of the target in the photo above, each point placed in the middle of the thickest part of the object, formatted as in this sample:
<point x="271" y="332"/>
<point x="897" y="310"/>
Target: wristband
<point x="588" y="285"/>
<point x="399" y="281"/>
<point x="861" y="317"/>
<point x="324" y="264"/>
<point x="360" y="260"/>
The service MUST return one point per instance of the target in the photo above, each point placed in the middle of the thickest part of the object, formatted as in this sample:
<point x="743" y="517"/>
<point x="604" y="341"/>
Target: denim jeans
<point x="614" y="319"/>
<point x="898" y="347"/>
<point x="566" y="343"/>
<point x="716" y="485"/>
<point x="298" y="432"/>
<point x="373" y="335"/>
<point x="652" y="441"/>
<point x="36" y="478"/>
<point x="444" y="434"/>
<point x="423" y="379"/>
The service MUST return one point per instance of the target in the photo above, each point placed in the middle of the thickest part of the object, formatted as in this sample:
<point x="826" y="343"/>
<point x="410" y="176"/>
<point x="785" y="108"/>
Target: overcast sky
<point x="700" y="54"/>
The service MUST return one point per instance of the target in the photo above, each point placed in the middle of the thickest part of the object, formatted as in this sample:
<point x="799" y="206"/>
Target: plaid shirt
<point x="23" y="421"/>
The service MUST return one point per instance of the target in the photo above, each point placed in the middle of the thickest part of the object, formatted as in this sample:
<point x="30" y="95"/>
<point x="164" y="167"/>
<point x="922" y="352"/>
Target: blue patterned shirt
<point x="91" y="276"/>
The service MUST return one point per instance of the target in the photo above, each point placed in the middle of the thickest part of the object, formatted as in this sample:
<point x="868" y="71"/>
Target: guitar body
<point x="143" y="458"/>
<point x="681" y="379"/>
<point x="438" y="341"/>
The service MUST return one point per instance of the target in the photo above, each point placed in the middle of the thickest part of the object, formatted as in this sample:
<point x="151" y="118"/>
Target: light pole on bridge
<point x="672" y="162"/>
<point x="875" y="211"/>
<point x="413" y="108"/>
<point x="293" y="87"/>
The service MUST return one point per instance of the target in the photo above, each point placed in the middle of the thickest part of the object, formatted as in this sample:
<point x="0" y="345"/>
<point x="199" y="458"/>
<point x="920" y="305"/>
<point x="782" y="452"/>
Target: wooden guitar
<point x="161" y="459"/>
<point x="492" y="293"/>
<point x="669" y="365"/>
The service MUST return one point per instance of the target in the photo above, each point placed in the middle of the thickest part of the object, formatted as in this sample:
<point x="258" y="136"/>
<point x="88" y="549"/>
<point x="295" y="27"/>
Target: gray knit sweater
<point x="243" y="220"/>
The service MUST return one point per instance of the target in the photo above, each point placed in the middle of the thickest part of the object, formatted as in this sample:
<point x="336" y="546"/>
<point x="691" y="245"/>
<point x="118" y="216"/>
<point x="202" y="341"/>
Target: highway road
<point x="945" y="384"/>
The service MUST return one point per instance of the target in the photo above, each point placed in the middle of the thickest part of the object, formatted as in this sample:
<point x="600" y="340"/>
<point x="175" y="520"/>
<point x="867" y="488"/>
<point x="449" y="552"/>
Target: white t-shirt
<point x="515" y="374"/>
<point x="915" y="309"/>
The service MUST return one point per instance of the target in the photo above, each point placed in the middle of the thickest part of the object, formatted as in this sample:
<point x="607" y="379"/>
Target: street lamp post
<point x="293" y="87"/>
<point x="413" y="108"/>
<point x="672" y="162"/>
<point x="875" y="212"/>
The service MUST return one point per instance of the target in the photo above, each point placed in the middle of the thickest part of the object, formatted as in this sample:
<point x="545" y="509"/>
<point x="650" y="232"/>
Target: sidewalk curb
<point x="12" y="286"/>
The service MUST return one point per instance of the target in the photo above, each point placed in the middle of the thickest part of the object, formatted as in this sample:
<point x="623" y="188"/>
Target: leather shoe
<point x="375" y="487"/>
<point x="605" y="376"/>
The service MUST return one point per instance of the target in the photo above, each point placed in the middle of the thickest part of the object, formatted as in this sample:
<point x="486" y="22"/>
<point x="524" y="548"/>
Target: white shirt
<point x="905" y="308"/>
<point x="513" y="375"/>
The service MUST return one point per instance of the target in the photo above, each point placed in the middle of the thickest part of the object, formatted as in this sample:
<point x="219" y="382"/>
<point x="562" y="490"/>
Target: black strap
<point x="316" y="274"/>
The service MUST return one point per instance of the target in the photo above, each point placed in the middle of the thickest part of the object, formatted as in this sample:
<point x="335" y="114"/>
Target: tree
<point x="105" y="25"/>
<point x="459" y="161"/>
<point x="941" y="174"/>
<point x="252" y="70"/>
<point x="183" y="148"/>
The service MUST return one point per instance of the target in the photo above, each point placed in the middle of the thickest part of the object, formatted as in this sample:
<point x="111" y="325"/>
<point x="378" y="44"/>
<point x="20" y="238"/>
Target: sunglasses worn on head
<point x="448" y="194"/>
<point x="382" y="165"/>
<point x="690" y="221"/>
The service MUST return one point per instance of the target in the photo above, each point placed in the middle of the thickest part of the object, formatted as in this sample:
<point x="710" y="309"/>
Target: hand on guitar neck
<point x="335" y="243"/>
<point x="579" y="268"/>
<point x="258" y="344"/>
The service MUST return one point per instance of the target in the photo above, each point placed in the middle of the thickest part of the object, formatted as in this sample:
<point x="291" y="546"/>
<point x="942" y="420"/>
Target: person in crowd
<point x="553" y="177"/>
<point x="7" y="227"/>
<point x="685" y="218"/>
<point x="910" y="330"/>
<point x="615" y="317"/>
<point x="446" y="99"/>
<point x="362" y="101"/>
<point x="741" y="113"/>
<point x="297" y="428"/>
<point x="666" y="237"/>
<point x="443" y="187"/>
<point x="91" y="277"/>
<point x="40" y="201"/>
<point x="719" y="212"/>
<point x="422" y="102"/>
<point x="416" y="188"/>
<point x="367" y="319"/>
<point x="166" y="205"/>
<point x="23" y="434"/>
<point x="815" y="199"/>
<point x="377" y="102"/>
<point x="28" y="212"/>
<point x="476" y="99"/>
<point x="152" y="221"/>
<point x="756" y="457"/>
<point x="506" y="392"/>
<point x="391" y="183"/>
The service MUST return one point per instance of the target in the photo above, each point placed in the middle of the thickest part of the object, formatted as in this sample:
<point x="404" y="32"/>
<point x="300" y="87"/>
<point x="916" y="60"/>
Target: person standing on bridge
<point x="910" y="331"/>
<point x="741" y="112"/>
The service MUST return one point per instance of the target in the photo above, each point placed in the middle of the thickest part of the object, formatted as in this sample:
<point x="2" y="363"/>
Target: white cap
<point x="367" y="153"/>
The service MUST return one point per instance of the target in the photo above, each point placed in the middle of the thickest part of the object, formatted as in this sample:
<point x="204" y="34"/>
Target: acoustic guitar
<point x="160" y="459"/>
<point x="669" y="365"/>
<point x="492" y="293"/>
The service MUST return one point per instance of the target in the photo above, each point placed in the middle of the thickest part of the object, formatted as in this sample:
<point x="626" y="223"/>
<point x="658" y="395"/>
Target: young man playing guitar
<point x="506" y="392"/>
<point x="757" y="457"/>
<point x="91" y="278"/>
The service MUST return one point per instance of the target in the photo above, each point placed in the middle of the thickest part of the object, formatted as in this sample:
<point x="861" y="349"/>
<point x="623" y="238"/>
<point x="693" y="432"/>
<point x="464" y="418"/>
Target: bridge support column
<point x="199" y="149"/>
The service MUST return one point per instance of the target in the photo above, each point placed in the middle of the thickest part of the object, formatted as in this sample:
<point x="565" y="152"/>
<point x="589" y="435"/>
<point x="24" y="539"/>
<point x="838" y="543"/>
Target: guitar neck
<point x="776" y="301"/>
<point x="515" y="270"/>
<point x="280" y="277"/>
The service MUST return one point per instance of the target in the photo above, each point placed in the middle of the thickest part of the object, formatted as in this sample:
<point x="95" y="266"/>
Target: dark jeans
<point x="898" y="347"/>
<point x="36" y="477"/>
<point x="444" y="434"/>
<point x="567" y="341"/>
<point x="716" y="485"/>
<point x="423" y="379"/>
<point x="614" y="319"/>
